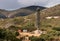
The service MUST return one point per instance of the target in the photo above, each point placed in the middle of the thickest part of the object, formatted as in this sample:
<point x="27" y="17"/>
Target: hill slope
<point x="53" y="11"/>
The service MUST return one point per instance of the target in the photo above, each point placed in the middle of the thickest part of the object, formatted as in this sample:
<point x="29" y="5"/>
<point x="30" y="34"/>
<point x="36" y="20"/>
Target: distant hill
<point x="19" y="12"/>
<point x="53" y="11"/>
<point x="33" y="8"/>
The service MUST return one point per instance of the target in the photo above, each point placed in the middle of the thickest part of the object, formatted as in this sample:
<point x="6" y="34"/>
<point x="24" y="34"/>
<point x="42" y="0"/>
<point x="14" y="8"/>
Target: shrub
<point x="56" y="28"/>
<point x="7" y="35"/>
<point x="36" y="39"/>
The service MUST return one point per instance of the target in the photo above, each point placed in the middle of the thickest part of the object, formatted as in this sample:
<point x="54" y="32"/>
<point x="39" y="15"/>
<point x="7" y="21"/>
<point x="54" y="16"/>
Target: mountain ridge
<point x="20" y="12"/>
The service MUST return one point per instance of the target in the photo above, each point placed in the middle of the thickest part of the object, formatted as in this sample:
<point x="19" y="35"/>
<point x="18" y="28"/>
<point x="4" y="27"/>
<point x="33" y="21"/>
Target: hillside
<point x="53" y="11"/>
<point x="27" y="16"/>
<point x="49" y="24"/>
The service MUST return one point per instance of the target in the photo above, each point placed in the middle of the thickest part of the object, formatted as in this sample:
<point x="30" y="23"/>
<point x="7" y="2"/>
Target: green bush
<point x="2" y="33"/>
<point x="56" y="28"/>
<point x="36" y="39"/>
<point x="7" y="35"/>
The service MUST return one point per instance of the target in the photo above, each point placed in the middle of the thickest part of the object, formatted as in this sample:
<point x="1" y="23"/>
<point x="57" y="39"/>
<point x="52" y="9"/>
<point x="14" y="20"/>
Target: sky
<point x="15" y="4"/>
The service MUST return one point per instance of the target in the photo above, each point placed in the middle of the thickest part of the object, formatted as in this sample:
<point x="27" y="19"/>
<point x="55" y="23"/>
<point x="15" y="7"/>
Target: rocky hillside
<point x="53" y="11"/>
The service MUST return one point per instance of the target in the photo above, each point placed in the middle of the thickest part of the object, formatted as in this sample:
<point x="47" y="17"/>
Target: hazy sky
<point x="15" y="4"/>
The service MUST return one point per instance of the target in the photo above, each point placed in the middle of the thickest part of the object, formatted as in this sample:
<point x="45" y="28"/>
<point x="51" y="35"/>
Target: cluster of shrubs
<point x="8" y="35"/>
